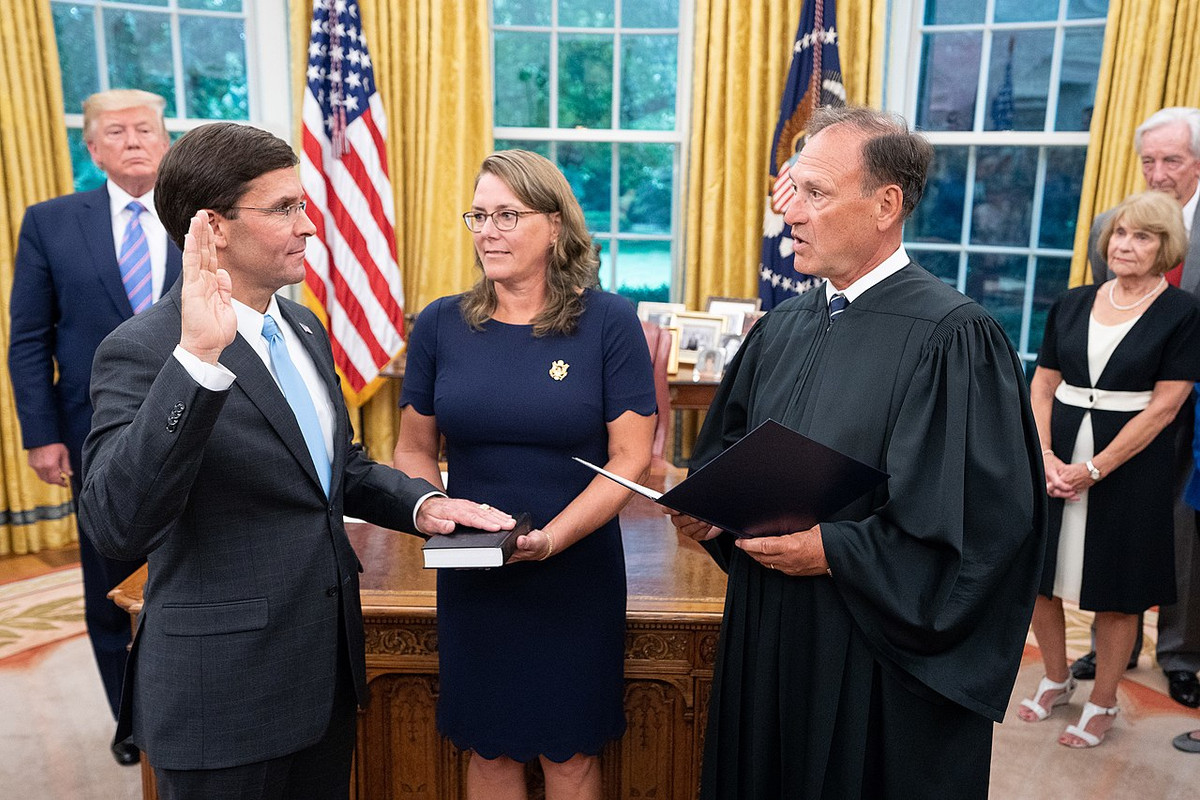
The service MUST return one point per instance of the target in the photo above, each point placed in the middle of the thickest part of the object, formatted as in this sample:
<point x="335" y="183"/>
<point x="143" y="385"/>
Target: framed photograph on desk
<point x="673" y="361"/>
<point x="734" y="309"/>
<point x="697" y="331"/>
<point x="658" y="313"/>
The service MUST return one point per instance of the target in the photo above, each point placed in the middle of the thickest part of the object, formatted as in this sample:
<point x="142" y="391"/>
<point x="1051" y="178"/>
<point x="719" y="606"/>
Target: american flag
<point x="351" y="270"/>
<point x="815" y="79"/>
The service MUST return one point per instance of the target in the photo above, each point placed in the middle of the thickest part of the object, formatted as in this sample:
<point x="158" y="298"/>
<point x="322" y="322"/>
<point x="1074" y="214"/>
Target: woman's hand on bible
<point x="533" y="546"/>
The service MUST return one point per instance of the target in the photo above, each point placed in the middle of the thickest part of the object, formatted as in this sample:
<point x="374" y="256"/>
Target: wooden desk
<point x="676" y="595"/>
<point x="687" y="395"/>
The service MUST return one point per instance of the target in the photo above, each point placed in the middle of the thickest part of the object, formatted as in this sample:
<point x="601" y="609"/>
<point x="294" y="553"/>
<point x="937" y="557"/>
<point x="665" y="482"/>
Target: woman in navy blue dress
<point x="528" y="368"/>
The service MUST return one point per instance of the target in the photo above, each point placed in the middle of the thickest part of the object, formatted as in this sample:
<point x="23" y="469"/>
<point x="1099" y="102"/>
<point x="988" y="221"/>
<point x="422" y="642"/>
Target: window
<point x="194" y="53"/>
<point x="1004" y="91"/>
<point x="596" y="87"/>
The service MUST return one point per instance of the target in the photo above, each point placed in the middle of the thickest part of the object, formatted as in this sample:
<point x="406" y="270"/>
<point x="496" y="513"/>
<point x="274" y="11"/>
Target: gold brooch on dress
<point x="558" y="369"/>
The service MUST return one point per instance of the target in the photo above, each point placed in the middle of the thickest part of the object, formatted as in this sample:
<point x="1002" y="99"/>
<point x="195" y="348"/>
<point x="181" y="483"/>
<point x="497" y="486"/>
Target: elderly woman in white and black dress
<point x="1117" y="362"/>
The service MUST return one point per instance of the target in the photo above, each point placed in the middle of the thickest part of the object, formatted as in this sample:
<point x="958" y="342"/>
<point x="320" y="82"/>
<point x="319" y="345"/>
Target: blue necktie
<point x="134" y="261"/>
<point x="837" y="304"/>
<point x="296" y="393"/>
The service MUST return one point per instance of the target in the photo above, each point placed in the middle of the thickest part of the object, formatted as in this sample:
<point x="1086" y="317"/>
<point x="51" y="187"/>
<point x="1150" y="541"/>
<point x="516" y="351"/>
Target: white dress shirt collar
<point x="1189" y="211"/>
<point x="887" y="268"/>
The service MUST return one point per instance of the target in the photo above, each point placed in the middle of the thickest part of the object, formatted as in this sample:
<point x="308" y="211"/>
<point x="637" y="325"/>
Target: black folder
<point x="770" y="482"/>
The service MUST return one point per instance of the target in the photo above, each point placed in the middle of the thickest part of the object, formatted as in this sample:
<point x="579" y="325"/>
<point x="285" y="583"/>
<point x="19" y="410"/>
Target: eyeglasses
<point x="283" y="212"/>
<point x="504" y="219"/>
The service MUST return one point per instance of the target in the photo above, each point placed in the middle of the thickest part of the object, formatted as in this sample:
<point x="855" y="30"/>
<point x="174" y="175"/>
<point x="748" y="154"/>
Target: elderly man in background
<point x="1168" y="144"/>
<point x="85" y="263"/>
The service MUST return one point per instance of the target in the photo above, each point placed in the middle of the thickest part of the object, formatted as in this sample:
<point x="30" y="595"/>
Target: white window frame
<point x="268" y="74"/>
<point x="901" y="93"/>
<point x="680" y="136"/>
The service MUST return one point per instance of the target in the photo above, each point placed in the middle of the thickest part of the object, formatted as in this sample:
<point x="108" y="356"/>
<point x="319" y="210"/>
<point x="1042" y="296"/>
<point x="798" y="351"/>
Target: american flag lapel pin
<point x="307" y="329"/>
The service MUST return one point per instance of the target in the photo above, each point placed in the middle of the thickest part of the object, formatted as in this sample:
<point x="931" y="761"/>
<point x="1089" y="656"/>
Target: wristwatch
<point x="1095" y="473"/>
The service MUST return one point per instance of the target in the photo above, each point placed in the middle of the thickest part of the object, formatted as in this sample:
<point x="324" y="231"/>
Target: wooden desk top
<point x="667" y="575"/>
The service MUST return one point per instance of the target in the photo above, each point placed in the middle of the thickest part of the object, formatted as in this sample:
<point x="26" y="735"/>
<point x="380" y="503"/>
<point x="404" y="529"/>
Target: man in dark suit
<point x="68" y="293"/>
<point x="1168" y="143"/>
<point x="221" y="451"/>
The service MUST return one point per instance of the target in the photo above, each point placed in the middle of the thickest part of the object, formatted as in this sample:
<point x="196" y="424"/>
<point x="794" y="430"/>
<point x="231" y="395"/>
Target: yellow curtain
<point x="34" y="165"/>
<point x="433" y="68"/>
<point x="742" y="55"/>
<point x="1151" y="60"/>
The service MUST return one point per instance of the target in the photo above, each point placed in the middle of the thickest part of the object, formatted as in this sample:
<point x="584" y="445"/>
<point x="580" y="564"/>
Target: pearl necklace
<point x="1131" y="306"/>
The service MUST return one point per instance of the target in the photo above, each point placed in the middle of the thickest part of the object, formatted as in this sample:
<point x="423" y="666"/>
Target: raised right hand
<point x="209" y="322"/>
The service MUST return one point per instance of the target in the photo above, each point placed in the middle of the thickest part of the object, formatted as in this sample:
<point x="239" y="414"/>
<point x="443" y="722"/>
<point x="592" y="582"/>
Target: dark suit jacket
<point x="251" y="574"/>
<point x="1190" y="282"/>
<point x="66" y="297"/>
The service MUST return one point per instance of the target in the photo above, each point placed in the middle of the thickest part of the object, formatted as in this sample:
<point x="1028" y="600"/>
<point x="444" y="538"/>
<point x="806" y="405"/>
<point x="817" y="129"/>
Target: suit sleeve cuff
<point x="420" y="501"/>
<point x="214" y="377"/>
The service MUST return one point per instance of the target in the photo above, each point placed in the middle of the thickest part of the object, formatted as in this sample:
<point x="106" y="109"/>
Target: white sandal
<point x="1067" y="688"/>
<point x="1090" y="710"/>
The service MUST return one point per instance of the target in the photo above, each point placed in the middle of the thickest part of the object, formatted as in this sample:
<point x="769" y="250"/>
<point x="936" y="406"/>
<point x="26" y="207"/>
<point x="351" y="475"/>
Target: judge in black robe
<point x="880" y="677"/>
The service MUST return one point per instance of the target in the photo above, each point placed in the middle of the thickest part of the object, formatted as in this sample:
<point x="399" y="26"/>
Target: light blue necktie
<point x="134" y="261"/>
<point x="837" y="304"/>
<point x="296" y="392"/>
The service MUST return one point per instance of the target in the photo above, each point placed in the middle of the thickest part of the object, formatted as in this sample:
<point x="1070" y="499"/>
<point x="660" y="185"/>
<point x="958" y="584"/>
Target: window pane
<point x="87" y="175"/>
<point x="522" y="79"/>
<point x="585" y="66"/>
<point x="950" y="12"/>
<point x="646" y="188"/>
<point x="139" y="53"/>
<point x="159" y="3"/>
<point x="644" y="270"/>
<point x="648" y="73"/>
<point x="541" y="148"/>
<point x="939" y="215"/>
<point x="650" y="14"/>
<point x="1019" y="80"/>
<point x="939" y="262"/>
<point x="521" y="12"/>
<point x="949" y="77"/>
<point x="586" y="13"/>
<point x="588" y="167"/>
<point x="1087" y="9"/>
<point x="1026" y="10"/>
<point x="214" y="67"/>
<point x="1050" y="281"/>
<point x="73" y="28"/>
<point x="1077" y="84"/>
<point x="1004" y="178"/>
<point x="212" y="5"/>
<point x="1060" y="198"/>
<point x="997" y="282"/>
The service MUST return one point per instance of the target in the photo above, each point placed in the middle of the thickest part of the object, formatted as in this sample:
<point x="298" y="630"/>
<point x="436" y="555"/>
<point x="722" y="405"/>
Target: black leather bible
<point x="472" y="548"/>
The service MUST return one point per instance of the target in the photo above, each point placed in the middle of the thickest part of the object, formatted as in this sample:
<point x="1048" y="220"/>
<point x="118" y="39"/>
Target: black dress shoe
<point x="1084" y="667"/>
<point x="126" y="753"/>
<point x="1184" y="687"/>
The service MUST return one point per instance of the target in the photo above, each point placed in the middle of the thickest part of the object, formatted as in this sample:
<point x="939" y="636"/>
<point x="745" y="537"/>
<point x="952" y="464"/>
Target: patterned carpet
<point x="55" y="727"/>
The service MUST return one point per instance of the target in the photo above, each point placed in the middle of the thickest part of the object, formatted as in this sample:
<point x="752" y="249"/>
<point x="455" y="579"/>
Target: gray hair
<point x="119" y="100"/>
<point x="891" y="153"/>
<point x="1185" y="114"/>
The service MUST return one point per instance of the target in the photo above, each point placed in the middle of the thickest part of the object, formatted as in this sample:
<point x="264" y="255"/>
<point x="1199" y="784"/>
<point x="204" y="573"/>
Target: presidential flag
<point x="351" y="271"/>
<point x="815" y="79"/>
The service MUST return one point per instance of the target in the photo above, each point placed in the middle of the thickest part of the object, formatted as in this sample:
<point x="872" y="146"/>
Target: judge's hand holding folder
<point x="770" y="489"/>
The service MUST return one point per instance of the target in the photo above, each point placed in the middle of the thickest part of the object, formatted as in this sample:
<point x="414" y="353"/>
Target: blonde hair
<point x="1156" y="212"/>
<point x="572" y="264"/>
<point x="119" y="100"/>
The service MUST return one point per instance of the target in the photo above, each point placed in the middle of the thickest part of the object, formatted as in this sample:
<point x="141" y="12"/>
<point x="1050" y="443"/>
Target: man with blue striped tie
<point x="85" y="263"/>
<point x="221" y="450"/>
